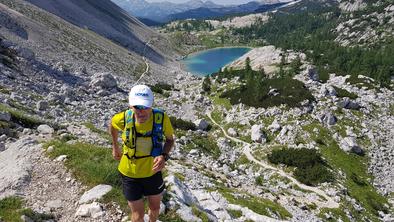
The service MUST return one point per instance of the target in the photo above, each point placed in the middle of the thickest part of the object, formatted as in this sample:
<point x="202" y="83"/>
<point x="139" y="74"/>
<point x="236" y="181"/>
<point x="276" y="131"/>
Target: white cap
<point x="141" y="95"/>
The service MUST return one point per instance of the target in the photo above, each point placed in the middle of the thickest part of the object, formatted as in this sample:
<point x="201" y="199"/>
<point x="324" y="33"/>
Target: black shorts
<point x="136" y="188"/>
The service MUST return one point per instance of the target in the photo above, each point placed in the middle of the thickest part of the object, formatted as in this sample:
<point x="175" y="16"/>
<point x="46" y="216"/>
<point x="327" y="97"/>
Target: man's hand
<point x="116" y="153"/>
<point x="158" y="163"/>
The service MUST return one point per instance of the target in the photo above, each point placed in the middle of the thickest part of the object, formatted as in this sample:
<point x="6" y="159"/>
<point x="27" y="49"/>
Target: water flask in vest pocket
<point x="156" y="151"/>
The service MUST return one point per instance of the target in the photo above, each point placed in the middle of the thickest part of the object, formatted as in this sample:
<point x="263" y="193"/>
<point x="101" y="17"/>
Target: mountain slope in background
<point x="250" y="7"/>
<point x="108" y="20"/>
<point x="159" y="11"/>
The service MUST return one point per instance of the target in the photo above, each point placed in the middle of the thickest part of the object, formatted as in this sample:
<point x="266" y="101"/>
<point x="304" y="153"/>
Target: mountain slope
<point x="108" y="20"/>
<point x="159" y="11"/>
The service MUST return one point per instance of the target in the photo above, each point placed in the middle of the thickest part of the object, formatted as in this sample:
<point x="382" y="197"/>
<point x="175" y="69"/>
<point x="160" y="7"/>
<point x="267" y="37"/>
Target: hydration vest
<point x="131" y="134"/>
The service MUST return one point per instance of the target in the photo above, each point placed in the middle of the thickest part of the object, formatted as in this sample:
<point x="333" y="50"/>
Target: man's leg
<point x="154" y="207"/>
<point x="137" y="210"/>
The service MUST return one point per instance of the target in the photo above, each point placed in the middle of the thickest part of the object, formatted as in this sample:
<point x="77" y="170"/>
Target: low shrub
<point x="289" y="91"/>
<point x="344" y="93"/>
<point x="311" y="169"/>
<point x="182" y="124"/>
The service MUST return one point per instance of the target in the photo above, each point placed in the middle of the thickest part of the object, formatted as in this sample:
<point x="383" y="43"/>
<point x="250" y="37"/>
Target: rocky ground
<point x="202" y="175"/>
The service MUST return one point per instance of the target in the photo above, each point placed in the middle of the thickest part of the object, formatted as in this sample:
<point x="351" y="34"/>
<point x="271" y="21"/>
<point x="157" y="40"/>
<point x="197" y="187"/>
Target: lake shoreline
<point x="221" y="47"/>
<point x="212" y="60"/>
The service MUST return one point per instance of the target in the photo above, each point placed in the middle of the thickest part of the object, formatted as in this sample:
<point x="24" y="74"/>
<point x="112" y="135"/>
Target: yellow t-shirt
<point x="140" y="168"/>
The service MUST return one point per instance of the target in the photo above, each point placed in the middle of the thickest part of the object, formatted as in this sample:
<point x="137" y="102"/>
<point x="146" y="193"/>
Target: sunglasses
<point x="140" y="107"/>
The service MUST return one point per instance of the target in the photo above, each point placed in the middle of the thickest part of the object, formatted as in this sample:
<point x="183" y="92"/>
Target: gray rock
<point x="201" y="124"/>
<point x="232" y="132"/>
<point x="349" y="144"/>
<point x="5" y="116"/>
<point x="3" y="137"/>
<point x="42" y="105"/>
<point x="312" y="73"/>
<point x="25" y="218"/>
<point x="348" y="104"/>
<point x="45" y="129"/>
<point x="54" y="204"/>
<point x="275" y="126"/>
<point x="2" y="146"/>
<point x="93" y="210"/>
<point x="103" y="81"/>
<point x="95" y="193"/>
<point x="328" y="118"/>
<point x="257" y="134"/>
<point x="181" y="191"/>
<point x="16" y="165"/>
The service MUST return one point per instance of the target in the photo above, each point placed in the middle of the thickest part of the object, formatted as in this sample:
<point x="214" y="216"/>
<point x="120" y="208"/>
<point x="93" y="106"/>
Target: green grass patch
<point x="170" y="215"/>
<point x="200" y="214"/>
<point x="21" y="117"/>
<point x="181" y="124"/>
<point x="222" y="102"/>
<point x="11" y="210"/>
<point x="391" y="108"/>
<point x="5" y="90"/>
<point x="344" y="93"/>
<point x="206" y="144"/>
<point x="310" y="167"/>
<point x="92" y="165"/>
<point x="357" y="180"/>
<point x="335" y="215"/>
<point x="234" y="213"/>
<point x="256" y="204"/>
<point x="360" y="82"/>
<point x="104" y="134"/>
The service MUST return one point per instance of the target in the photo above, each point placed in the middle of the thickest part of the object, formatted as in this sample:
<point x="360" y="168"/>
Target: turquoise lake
<point x="210" y="61"/>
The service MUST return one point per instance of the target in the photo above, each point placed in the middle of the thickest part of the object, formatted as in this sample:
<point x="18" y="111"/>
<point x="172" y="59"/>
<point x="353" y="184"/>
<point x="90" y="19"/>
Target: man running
<point x="143" y="154"/>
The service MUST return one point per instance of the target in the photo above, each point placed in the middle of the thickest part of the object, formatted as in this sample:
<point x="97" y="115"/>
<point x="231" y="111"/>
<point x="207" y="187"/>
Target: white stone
<point x="257" y="135"/>
<point x="232" y="132"/>
<point x="95" y="193"/>
<point x="45" y="129"/>
<point x="181" y="191"/>
<point x="93" y="210"/>
<point x="61" y="158"/>
<point x="275" y="126"/>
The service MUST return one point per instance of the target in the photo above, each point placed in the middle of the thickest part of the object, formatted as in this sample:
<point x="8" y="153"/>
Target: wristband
<point x="166" y="156"/>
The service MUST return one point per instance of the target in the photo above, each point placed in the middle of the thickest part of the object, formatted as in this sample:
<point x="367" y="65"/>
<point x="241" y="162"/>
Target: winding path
<point x="329" y="203"/>
<point x="146" y="63"/>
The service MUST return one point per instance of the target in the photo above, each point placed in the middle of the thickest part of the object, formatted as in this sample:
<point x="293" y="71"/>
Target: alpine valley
<point x="299" y="128"/>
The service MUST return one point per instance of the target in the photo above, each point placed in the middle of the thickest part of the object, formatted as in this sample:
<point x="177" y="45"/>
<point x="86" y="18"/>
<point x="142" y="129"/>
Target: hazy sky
<point x="221" y="2"/>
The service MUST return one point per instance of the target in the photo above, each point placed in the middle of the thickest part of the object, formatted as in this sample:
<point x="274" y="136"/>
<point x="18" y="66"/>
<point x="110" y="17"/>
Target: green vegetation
<point x="258" y="91"/>
<point x="200" y="214"/>
<point x="356" y="179"/>
<point x="206" y="84"/>
<point x="181" y="124"/>
<point x="160" y="87"/>
<point x="311" y="169"/>
<point x="344" y="93"/>
<point x="104" y="134"/>
<point x="190" y="25"/>
<point x="11" y="210"/>
<point x="258" y="205"/>
<point x="310" y="31"/>
<point x="21" y="117"/>
<point x="234" y="213"/>
<point x="336" y="214"/>
<point x="206" y="144"/>
<point x="92" y="165"/>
